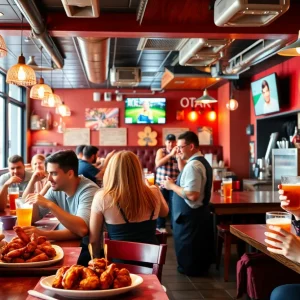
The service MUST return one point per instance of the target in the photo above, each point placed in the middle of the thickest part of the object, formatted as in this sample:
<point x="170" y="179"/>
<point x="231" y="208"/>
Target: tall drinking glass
<point x="24" y="212"/>
<point x="13" y="194"/>
<point x="227" y="187"/>
<point x="291" y="187"/>
<point x="278" y="218"/>
<point x="150" y="178"/>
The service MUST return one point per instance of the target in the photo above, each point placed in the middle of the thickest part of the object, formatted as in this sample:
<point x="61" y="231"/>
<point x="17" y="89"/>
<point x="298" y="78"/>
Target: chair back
<point x="154" y="255"/>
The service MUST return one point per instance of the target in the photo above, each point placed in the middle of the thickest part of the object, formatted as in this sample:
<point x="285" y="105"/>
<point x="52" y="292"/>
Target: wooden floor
<point x="213" y="287"/>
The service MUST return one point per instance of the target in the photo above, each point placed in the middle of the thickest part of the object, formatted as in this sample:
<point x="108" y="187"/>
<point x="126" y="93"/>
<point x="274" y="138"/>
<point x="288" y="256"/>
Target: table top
<point x="254" y="236"/>
<point x="150" y="289"/>
<point x="246" y="202"/>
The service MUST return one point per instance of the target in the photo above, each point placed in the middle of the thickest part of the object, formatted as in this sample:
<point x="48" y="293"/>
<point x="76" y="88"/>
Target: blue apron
<point x="193" y="230"/>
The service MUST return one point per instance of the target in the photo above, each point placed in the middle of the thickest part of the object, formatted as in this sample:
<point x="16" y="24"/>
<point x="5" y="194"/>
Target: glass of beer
<point x="278" y="218"/>
<point x="150" y="178"/>
<point x="291" y="187"/>
<point x="13" y="194"/>
<point x="24" y="212"/>
<point x="227" y="187"/>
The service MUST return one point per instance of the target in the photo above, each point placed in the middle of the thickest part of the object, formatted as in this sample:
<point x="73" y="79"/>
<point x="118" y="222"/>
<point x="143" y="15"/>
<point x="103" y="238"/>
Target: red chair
<point x="161" y="237"/>
<point x="137" y="252"/>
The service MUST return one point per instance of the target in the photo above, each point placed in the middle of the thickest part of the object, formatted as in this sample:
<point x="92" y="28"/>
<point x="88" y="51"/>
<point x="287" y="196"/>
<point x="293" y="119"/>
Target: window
<point x="12" y="121"/>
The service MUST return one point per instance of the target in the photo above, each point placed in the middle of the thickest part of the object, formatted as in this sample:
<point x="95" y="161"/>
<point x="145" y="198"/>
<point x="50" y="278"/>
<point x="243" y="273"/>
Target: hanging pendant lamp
<point x="232" y="104"/>
<point x="38" y="91"/>
<point x="21" y="74"/>
<point x="3" y="49"/>
<point x="205" y="98"/>
<point x="63" y="110"/>
<point x="292" y="49"/>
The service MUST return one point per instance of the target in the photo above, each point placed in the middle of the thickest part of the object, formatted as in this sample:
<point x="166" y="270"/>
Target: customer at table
<point x="192" y="227"/>
<point x="126" y="204"/>
<point x="69" y="198"/>
<point x="167" y="163"/>
<point x="38" y="182"/>
<point x="16" y="174"/>
<point x="289" y="246"/>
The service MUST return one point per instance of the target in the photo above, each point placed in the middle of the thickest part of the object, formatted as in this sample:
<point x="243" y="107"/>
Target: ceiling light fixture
<point x="38" y="91"/>
<point x="205" y="98"/>
<point x="3" y="49"/>
<point x="232" y="103"/>
<point x="21" y="74"/>
<point x="1" y="14"/>
<point x="292" y="49"/>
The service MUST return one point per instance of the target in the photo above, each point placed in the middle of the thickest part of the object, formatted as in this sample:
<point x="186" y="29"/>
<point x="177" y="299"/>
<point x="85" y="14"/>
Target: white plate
<point x="58" y="257"/>
<point x="46" y="283"/>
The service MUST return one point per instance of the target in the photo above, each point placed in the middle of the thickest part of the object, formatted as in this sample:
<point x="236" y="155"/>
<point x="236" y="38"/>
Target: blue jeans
<point x="287" y="291"/>
<point x="161" y="222"/>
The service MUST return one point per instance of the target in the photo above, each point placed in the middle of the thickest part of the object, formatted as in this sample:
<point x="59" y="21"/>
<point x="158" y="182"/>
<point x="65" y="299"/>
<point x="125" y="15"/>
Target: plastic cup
<point x="291" y="187"/>
<point x="278" y="218"/>
<point x="227" y="187"/>
<point x="24" y="212"/>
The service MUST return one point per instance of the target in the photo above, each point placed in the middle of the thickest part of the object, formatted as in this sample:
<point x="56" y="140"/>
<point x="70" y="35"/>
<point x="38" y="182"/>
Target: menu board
<point x="76" y="136"/>
<point x="113" y="136"/>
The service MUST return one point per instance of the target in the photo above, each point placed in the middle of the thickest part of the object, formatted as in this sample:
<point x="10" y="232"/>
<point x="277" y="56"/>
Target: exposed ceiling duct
<point x="95" y="57"/>
<point x="256" y="52"/>
<point x="161" y="44"/>
<point x="81" y="8"/>
<point x="39" y="30"/>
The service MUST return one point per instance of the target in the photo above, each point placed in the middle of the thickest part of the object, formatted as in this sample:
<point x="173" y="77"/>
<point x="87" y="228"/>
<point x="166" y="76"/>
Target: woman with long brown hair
<point x="127" y="205"/>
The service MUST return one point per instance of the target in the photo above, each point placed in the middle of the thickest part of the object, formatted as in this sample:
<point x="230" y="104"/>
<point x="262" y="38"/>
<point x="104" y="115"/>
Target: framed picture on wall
<point x="96" y="118"/>
<point x="251" y="152"/>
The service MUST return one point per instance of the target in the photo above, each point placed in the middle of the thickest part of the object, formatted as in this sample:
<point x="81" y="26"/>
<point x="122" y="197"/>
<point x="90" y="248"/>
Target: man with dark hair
<point x="86" y="167"/>
<point x="167" y="163"/>
<point x="16" y="174"/>
<point x="69" y="198"/>
<point x="192" y="226"/>
<point x="79" y="151"/>
<point x="270" y="104"/>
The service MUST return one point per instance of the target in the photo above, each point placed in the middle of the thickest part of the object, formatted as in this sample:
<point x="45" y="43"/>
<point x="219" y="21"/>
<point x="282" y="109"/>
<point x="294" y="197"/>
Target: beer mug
<point x="227" y="187"/>
<point x="24" y="212"/>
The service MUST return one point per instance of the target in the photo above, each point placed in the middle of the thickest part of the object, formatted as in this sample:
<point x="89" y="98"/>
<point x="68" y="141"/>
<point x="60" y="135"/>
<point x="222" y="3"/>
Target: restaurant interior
<point x="202" y="64"/>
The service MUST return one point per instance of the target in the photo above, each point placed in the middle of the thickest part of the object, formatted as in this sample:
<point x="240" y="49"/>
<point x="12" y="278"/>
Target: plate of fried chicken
<point x="29" y="252"/>
<point x="99" y="279"/>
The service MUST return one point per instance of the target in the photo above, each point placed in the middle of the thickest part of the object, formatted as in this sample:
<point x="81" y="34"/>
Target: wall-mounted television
<point x="265" y="95"/>
<point x="145" y="111"/>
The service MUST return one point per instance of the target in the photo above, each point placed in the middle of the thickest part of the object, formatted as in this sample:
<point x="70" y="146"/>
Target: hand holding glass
<point x="24" y="212"/>
<point x="291" y="187"/>
<point x="280" y="219"/>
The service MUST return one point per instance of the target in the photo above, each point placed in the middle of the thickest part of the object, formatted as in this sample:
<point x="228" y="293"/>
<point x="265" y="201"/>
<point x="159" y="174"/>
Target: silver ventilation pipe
<point x="257" y="51"/>
<point x="95" y="57"/>
<point x="39" y="30"/>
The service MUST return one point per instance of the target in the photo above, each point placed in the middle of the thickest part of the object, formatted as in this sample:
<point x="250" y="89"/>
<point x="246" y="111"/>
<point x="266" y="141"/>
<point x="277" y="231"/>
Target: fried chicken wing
<point x="90" y="280"/>
<point x="30" y="247"/>
<point x="18" y="260"/>
<point x="98" y="265"/>
<point x="21" y="234"/>
<point x="72" y="277"/>
<point x="123" y="279"/>
<point x="40" y="257"/>
<point x="107" y="277"/>
<point x="16" y="252"/>
<point x="41" y="239"/>
<point x="49" y="250"/>
<point x="57" y="282"/>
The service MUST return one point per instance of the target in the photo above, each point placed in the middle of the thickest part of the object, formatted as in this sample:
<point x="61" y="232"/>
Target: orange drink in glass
<point x="13" y="194"/>
<point x="150" y="178"/>
<point x="227" y="187"/>
<point x="24" y="212"/>
<point x="280" y="219"/>
<point x="291" y="187"/>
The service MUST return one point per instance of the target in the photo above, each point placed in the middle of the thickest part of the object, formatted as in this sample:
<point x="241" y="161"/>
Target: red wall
<point x="289" y="71"/>
<point x="79" y="99"/>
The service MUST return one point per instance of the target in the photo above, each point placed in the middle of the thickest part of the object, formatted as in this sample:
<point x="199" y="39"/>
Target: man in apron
<point x="192" y="226"/>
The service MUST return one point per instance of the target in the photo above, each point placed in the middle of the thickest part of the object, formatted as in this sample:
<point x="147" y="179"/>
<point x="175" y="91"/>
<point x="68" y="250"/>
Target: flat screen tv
<point x="145" y="111"/>
<point x="265" y="95"/>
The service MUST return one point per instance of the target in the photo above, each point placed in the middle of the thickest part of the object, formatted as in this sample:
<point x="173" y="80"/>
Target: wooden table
<point x="247" y="202"/>
<point x="254" y="236"/>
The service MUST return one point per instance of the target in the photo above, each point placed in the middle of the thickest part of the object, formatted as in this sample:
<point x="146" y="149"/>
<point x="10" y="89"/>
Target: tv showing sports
<point x="145" y="111"/>
<point x="265" y="95"/>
